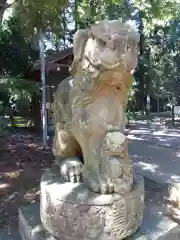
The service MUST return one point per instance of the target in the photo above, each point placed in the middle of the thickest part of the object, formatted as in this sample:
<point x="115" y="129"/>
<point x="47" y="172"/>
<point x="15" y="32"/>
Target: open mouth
<point x="100" y="65"/>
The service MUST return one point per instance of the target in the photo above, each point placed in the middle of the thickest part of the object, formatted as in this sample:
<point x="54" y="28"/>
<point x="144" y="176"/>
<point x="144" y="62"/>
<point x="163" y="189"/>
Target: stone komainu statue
<point x="89" y="108"/>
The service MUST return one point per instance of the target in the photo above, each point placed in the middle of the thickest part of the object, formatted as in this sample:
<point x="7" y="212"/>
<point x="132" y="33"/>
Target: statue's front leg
<point x="96" y="169"/>
<point x="121" y="173"/>
<point x="67" y="154"/>
<point x="107" y="165"/>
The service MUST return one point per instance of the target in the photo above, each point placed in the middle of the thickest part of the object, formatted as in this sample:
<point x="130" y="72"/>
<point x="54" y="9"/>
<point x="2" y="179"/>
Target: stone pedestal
<point x="172" y="202"/>
<point x="70" y="211"/>
<point x="154" y="226"/>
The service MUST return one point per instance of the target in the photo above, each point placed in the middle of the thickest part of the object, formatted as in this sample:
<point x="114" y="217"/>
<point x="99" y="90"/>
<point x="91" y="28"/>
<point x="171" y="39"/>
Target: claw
<point x="71" y="170"/>
<point x="111" y="187"/>
<point x="72" y="177"/>
<point x="104" y="188"/>
<point x="78" y="178"/>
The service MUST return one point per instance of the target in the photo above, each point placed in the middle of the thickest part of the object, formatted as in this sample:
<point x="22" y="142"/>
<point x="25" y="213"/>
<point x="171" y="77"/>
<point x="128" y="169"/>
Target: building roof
<point x="49" y="60"/>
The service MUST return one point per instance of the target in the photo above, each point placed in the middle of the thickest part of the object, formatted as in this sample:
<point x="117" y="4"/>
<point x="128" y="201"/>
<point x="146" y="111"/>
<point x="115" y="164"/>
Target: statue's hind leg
<point x="67" y="154"/>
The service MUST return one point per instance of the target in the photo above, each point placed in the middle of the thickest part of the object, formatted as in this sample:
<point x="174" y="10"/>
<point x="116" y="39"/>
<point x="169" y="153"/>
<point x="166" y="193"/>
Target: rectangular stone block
<point x="30" y="226"/>
<point x="172" y="202"/>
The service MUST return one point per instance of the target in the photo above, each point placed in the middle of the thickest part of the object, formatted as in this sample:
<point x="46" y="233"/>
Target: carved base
<point x="70" y="211"/>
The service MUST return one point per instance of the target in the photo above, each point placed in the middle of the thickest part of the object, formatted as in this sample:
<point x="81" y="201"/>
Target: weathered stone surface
<point x="172" y="202"/>
<point x="89" y="108"/>
<point x="155" y="226"/>
<point x="89" y="116"/>
<point x="71" y="211"/>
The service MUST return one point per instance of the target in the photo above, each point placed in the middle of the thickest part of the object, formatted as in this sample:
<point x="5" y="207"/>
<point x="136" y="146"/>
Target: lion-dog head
<point x="105" y="55"/>
<point x="109" y="45"/>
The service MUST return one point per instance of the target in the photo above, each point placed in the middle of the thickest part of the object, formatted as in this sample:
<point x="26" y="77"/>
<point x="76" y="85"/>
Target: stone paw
<point x="71" y="169"/>
<point x="98" y="184"/>
<point x="106" y="187"/>
<point x="121" y="175"/>
<point x="122" y="185"/>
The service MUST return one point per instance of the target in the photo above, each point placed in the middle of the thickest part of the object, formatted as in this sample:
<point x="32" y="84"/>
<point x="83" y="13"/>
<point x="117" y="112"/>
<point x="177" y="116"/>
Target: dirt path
<point x="22" y="161"/>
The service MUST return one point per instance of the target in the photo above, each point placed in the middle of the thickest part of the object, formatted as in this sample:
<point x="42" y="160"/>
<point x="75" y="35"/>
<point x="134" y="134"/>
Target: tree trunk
<point x="148" y="80"/>
<point x="158" y="104"/>
<point x="64" y="28"/>
<point x="141" y="75"/>
<point x="35" y="111"/>
<point x="173" y="114"/>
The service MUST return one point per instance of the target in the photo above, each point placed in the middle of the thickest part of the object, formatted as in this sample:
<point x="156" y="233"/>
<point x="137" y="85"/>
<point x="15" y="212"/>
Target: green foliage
<point x="16" y="61"/>
<point x="16" y="53"/>
<point x="38" y="14"/>
<point x="16" y="95"/>
<point x="3" y="125"/>
<point x="87" y="12"/>
<point x="157" y="73"/>
<point x="158" y="22"/>
<point x="164" y="70"/>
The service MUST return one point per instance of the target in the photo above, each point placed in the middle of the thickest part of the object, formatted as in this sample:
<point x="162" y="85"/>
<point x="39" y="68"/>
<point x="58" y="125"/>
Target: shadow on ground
<point x="22" y="161"/>
<point x="155" y="133"/>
